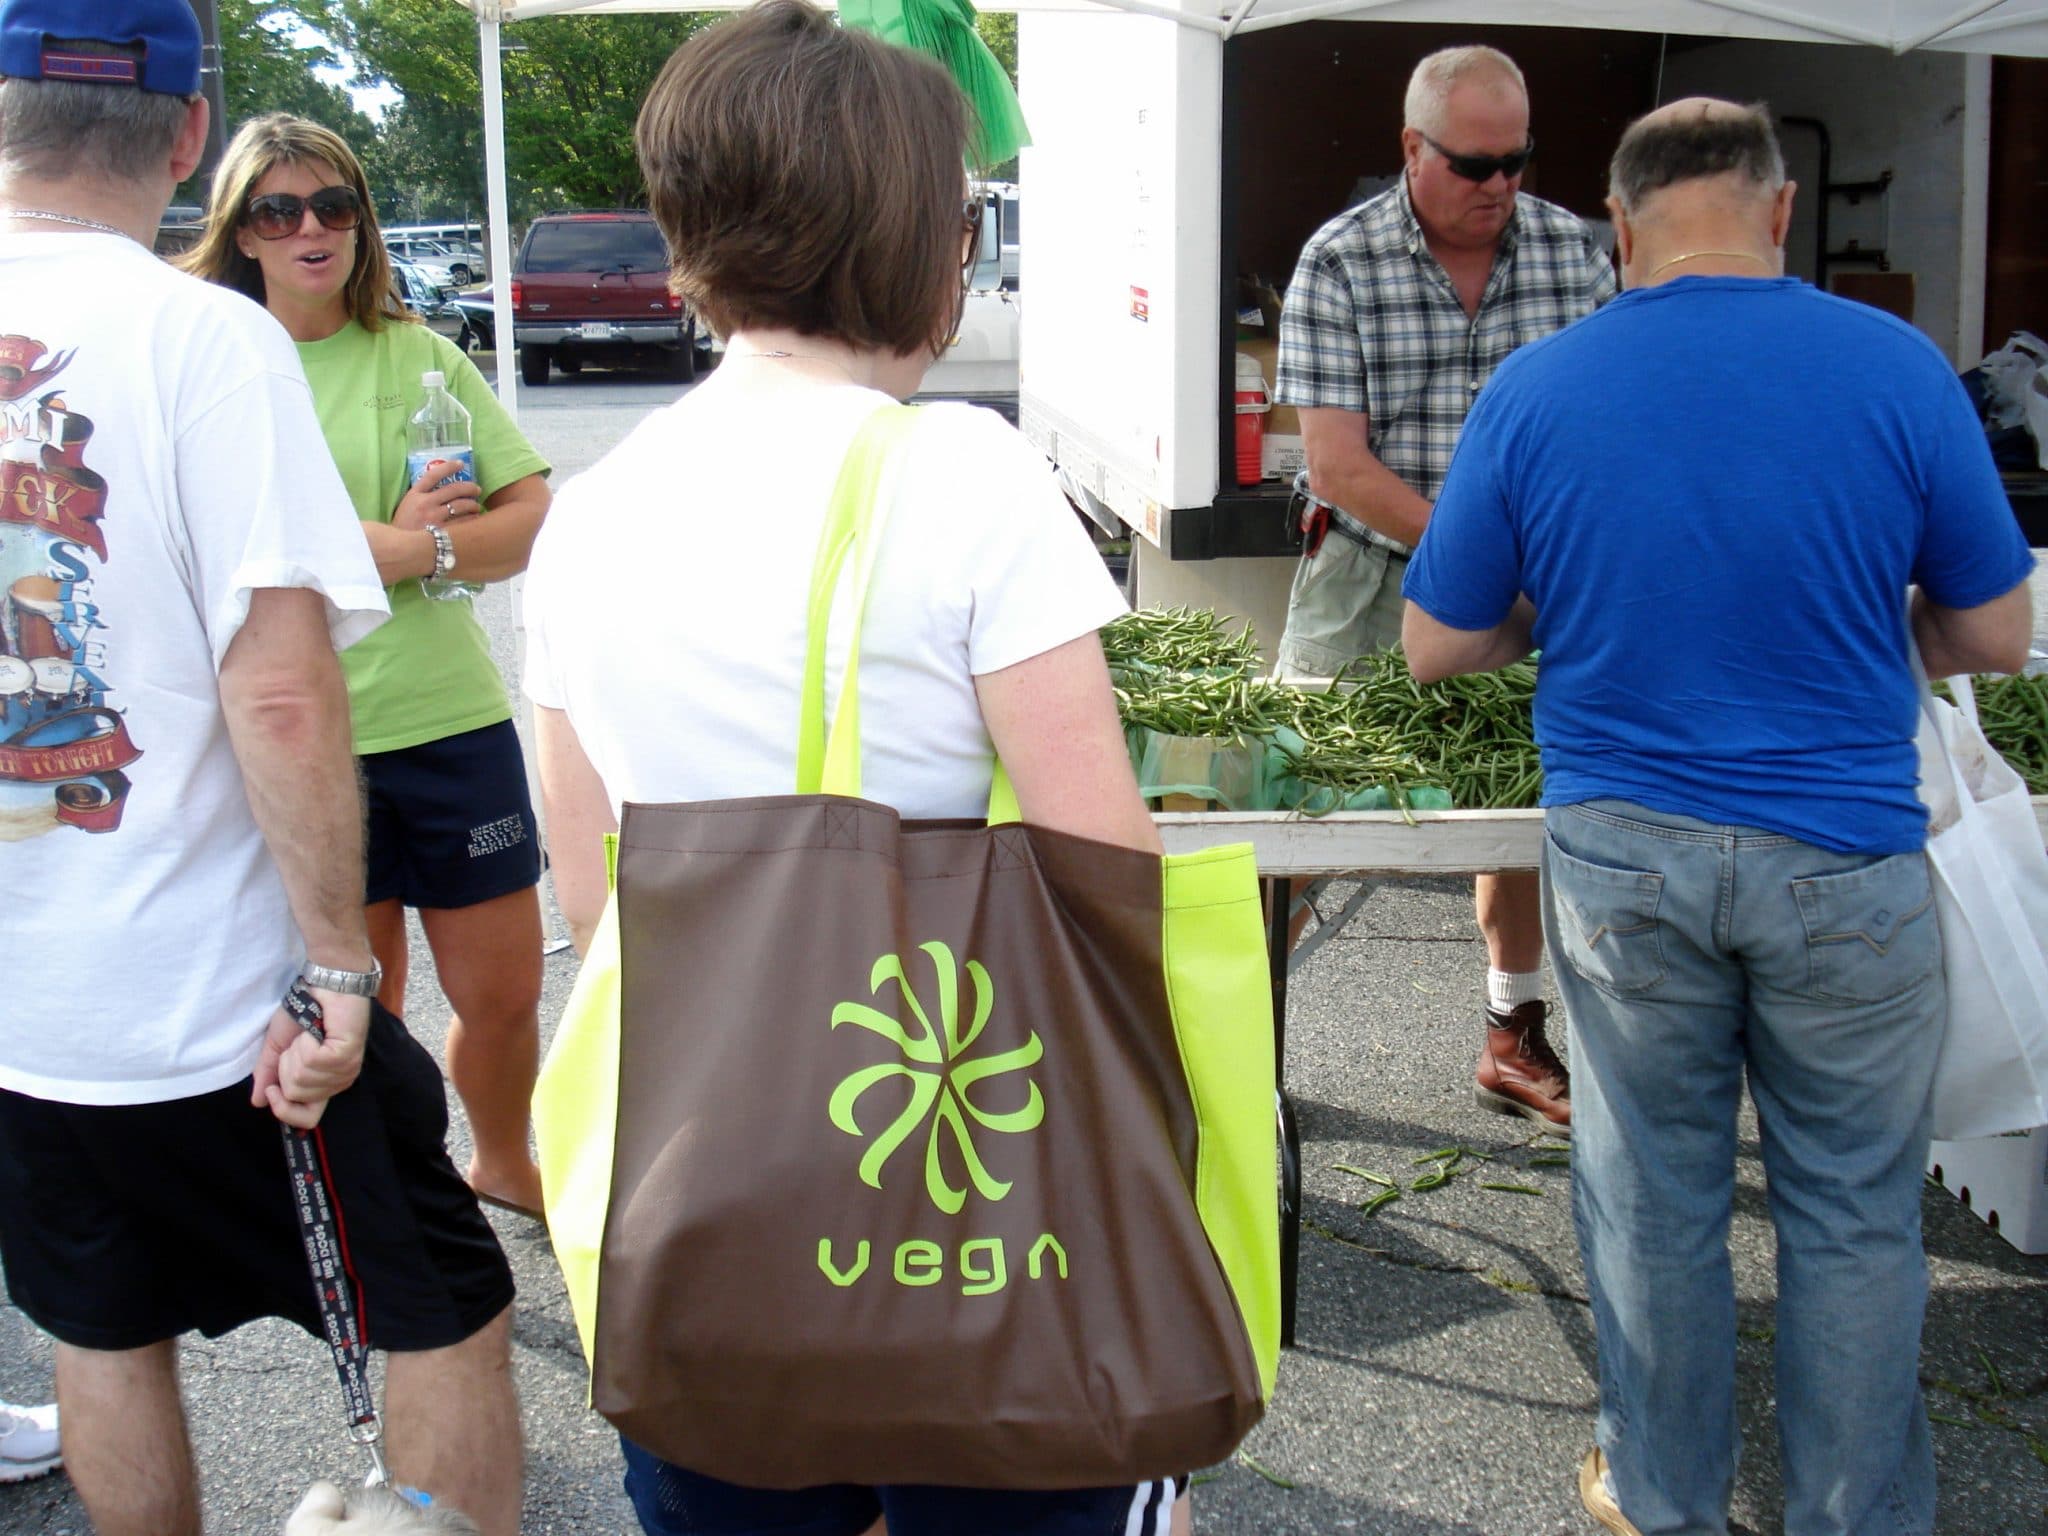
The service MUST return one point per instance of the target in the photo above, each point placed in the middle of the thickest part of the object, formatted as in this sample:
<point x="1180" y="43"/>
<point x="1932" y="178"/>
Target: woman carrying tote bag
<point x="928" y="1168"/>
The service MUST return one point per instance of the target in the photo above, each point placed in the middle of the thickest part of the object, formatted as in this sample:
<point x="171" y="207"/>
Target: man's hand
<point x="298" y="1072"/>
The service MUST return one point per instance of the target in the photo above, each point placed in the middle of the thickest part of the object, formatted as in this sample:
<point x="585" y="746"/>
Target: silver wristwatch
<point x="348" y="983"/>
<point x="444" y="550"/>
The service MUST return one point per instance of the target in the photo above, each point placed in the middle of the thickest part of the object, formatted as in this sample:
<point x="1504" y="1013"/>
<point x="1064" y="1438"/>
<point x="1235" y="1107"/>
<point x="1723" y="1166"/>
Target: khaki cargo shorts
<point x="1345" y="603"/>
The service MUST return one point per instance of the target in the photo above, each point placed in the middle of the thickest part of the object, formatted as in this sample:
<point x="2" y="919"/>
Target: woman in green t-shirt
<point x="451" y="827"/>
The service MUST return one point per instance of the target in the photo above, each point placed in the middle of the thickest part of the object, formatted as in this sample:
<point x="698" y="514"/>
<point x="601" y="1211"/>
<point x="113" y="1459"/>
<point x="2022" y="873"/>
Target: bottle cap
<point x="432" y="379"/>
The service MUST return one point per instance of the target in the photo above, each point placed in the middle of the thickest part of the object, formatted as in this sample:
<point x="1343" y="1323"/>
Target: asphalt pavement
<point x="1443" y="1377"/>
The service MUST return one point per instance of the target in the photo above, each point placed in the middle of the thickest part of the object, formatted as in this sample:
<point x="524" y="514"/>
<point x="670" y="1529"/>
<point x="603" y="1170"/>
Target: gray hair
<point x="1659" y="151"/>
<point x="54" y="130"/>
<point x="1430" y="86"/>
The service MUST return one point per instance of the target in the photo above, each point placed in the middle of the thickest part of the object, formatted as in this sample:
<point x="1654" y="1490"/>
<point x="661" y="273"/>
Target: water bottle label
<point x="417" y="461"/>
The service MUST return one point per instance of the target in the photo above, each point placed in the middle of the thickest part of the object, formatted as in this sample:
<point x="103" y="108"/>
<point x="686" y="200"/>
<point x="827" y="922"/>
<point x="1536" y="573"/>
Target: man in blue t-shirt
<point x="1706" y="504"/>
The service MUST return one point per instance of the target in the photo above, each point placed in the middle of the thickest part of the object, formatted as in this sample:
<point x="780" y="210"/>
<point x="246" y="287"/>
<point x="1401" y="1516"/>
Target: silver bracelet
<point x="444" y="550"/>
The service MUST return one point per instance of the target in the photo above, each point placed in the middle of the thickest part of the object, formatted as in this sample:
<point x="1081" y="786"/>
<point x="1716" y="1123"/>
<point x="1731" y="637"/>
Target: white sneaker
<point x="28" y="1442"/>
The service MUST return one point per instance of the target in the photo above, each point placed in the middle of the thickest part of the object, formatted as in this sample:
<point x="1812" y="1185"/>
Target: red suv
<point x="593" y="287"/>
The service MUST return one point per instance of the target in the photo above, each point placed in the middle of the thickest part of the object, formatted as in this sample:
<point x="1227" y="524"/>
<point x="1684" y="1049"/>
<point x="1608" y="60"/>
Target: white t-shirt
<point x="159" y="461"/>
<point x="665" y="599"/>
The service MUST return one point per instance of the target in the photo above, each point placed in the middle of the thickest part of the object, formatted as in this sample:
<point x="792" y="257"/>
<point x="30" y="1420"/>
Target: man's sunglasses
<point x="1484" y="168"/>
<point x="275" y="215"/>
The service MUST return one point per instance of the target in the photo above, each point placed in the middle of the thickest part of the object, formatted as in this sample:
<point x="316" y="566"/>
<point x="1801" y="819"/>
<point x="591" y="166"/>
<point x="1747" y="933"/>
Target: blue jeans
<point x="1689" y="955"/>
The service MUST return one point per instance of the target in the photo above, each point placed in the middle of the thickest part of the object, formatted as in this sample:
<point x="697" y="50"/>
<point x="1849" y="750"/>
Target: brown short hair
<point x="263" y="144"/>
<point x="809" y="177"/>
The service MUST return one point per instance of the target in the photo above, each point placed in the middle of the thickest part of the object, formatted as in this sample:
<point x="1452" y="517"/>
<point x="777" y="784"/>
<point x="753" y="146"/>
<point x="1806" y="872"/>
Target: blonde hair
<point x="264" y="144"/>
<point x="1430" y="86"/>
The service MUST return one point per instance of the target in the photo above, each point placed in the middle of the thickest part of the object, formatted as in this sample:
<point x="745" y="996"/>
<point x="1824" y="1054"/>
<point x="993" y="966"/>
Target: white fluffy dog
<point x="327" y="1511"/>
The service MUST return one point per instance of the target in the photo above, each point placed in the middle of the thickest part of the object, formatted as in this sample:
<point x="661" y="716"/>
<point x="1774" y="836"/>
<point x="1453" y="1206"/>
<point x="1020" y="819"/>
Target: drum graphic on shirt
<point x="32" y="613"/>
<point x="53" y="677"/>
<point x="17" y="689"/>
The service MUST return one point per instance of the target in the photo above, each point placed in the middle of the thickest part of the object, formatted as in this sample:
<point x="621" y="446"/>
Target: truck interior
<point x="1311" y="125"/>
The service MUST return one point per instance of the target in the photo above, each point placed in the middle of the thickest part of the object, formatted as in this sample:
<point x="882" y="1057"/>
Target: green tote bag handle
<point x="828" y="761"/>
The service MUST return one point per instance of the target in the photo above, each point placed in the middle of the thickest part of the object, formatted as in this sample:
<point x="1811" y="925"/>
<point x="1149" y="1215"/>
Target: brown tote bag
<point x="932" y="1163"/>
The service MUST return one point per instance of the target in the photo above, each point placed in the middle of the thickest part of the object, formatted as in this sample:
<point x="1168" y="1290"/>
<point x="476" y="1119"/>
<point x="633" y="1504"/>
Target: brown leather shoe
<point x="1519" y="1074"/>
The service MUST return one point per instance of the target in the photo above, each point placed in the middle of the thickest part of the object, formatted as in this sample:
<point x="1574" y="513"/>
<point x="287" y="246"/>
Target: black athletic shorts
<point x="450" y="822"/>
<point x="121" y="1225"/>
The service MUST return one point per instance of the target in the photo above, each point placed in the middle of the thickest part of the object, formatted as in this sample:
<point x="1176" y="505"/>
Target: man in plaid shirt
<point x="1399" y="312"/>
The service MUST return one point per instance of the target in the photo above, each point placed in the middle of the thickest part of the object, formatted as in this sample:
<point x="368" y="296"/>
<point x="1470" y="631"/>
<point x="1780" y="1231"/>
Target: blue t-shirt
<point x="1716" y="492"/>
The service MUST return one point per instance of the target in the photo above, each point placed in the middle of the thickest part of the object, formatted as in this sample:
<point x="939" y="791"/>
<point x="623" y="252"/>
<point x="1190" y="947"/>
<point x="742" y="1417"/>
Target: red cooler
<point x="1253" y="401"/>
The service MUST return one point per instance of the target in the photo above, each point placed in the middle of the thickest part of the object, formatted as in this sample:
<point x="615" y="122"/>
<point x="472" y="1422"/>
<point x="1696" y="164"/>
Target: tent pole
<point x="493" y="74"/>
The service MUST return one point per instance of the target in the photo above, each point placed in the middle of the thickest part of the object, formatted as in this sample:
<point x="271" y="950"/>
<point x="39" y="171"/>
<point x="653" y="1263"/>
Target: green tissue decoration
<point x="944" y="30"/>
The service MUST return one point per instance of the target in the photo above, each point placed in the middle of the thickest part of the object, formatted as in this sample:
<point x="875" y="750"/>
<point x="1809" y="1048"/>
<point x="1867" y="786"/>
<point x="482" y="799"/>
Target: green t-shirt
<point x="427" y="674"/>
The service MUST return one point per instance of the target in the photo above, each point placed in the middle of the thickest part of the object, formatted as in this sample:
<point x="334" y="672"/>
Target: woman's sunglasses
<point x="275" y="215"/>
<point x="1484" y="168"/>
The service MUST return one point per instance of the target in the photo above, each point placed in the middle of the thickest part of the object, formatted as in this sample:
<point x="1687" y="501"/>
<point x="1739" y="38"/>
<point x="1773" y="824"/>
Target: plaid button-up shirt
<point x="1373" y="323"/>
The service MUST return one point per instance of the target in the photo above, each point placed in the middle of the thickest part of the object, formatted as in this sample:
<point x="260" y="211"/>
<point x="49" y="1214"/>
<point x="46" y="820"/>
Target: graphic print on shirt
<point x="62" y="748"/>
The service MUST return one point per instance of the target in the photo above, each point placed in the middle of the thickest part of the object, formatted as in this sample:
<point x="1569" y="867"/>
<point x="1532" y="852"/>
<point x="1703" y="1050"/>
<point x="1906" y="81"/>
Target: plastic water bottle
<point x="440" y="430"/>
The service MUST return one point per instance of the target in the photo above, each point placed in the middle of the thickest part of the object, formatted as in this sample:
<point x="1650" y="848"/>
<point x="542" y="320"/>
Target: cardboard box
<point x="2004" y="1179"/>
<point x="1282" y="454"/>
<point x="1282" y="420"/>
<point x="1280" y="457"/>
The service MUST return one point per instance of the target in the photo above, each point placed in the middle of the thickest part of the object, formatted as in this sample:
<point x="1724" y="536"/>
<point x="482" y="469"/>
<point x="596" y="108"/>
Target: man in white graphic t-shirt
<point x="180" y="826"/>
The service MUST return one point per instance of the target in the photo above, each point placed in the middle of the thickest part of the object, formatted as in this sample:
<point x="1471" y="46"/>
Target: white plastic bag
<point x="1990" y="873"/>
<point x="2009" y="374"/>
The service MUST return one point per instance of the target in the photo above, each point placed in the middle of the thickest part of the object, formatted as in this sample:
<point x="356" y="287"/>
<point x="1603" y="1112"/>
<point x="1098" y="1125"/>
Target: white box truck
<point x="1182" y="155"/>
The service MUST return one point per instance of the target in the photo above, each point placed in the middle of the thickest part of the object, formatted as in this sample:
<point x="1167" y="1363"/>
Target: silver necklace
<point x="63" y="218"/>
<point x="795" y="357"/>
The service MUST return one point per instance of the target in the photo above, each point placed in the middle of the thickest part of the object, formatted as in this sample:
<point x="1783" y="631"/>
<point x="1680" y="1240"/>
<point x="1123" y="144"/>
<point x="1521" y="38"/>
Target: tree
<point x="573" y="86"/>
<point x="268" y="64"/>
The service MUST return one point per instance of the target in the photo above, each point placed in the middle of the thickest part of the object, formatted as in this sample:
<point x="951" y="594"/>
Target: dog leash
<point x="320" y="1232"/>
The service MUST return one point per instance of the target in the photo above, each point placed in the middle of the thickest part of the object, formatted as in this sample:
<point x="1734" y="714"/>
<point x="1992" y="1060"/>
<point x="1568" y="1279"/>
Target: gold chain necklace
<point x="1697" y="255"/>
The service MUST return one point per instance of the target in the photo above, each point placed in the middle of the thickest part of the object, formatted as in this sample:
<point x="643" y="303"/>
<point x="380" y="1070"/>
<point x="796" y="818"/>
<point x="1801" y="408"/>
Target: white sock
<point x="1508" y="990"/>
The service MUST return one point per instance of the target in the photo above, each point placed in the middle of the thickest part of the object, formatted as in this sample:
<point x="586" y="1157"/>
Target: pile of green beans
<point x="1178" y="640"/>
<point x="1187" y="672"/>
<point x="1470" y="735"/>
<point x="1183" y="672"/>
<point x="2014" y="714"/>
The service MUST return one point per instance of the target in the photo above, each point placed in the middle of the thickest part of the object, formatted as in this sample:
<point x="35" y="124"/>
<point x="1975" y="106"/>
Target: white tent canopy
<point x="1970" y="26"/>
<point x="1974" y="26"/>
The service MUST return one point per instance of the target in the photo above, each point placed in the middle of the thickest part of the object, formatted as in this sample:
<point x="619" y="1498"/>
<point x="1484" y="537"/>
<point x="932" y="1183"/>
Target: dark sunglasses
<point x="275" y="215"/>
<point x="1485" y="167"/>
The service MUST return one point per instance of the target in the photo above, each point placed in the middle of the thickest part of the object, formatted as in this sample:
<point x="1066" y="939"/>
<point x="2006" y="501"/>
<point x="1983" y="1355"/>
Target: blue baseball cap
<point x="167" y="31"/>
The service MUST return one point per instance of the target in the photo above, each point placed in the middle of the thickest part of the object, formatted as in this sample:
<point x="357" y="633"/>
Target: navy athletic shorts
<point x="672" y="1501"/>
<point x="123" y="1225"/>
<point x="450" y="821"/>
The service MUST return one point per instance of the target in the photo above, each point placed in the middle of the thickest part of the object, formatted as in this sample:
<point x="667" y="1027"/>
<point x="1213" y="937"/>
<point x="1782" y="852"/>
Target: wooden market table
<point x="1389" y="843"/>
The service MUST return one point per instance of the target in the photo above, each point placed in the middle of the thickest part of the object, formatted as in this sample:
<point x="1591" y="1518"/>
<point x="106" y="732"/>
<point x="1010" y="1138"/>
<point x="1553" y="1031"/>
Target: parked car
<point x="435" y="255"/>
<point x="463" y="240"/>
<point x="593" y="288"/>
<point x="431" y="301"/>
<point x="480" y="322"/>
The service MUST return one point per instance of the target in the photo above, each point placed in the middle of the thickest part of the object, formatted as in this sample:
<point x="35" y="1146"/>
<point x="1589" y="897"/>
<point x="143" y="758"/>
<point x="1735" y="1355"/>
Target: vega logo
<point x="943" y="1073"/>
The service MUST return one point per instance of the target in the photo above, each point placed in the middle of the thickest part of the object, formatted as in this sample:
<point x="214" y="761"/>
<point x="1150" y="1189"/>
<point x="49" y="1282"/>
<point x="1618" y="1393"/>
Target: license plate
<point x="595" y="330"/>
